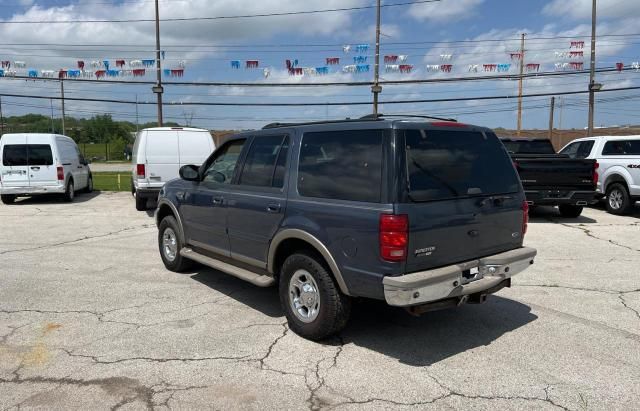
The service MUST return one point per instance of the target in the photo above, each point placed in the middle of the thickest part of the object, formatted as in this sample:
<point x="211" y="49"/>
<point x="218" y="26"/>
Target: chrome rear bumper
<point x="452" y="281"/>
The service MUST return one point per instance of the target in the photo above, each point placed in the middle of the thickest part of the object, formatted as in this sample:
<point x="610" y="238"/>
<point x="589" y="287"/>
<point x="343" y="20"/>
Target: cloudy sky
<point x="473" y="32"/>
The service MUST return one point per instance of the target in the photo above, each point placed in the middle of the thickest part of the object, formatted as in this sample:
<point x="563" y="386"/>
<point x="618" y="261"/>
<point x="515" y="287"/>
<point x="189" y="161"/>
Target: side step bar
<point x="246" y="275"/>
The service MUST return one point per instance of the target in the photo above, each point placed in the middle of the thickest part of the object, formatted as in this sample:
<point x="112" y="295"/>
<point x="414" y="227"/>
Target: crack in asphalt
<point x="624" y="302"/>
<point x="96" y="359"/>
<point x="127" y="389"/>
<point x="313" y="401"/>
<point x="77" y="240"/>
<point x="590" y="234"/>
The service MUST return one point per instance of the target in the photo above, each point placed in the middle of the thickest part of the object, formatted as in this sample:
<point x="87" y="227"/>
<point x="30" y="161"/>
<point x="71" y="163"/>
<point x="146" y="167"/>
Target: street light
<point x="595" y="86"/>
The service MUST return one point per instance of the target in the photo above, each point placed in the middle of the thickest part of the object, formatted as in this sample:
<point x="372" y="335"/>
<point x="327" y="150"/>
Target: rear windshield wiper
<point x="435" y="177"/>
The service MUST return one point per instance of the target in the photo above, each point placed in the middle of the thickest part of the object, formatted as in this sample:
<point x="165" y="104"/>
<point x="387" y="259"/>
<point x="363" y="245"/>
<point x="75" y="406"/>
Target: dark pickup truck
<point x="553" y="179"/>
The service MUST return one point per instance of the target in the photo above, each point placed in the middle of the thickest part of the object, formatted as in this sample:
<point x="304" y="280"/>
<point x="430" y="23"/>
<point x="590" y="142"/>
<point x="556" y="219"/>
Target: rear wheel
<point x="70" y="192"/>
<point x="89" y="188"/>
<point x="618" y="199"/>
<point x="8" y="199"/>
<point x="570" y="211"/>
<point x="141" y="202"/>
<point x="313" y="304"/>
<point x="170" y="244"/>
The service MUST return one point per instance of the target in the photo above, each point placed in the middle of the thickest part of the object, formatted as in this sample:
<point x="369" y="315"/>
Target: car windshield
<point x="529" y="146"/>
<point x="451" y="164"/>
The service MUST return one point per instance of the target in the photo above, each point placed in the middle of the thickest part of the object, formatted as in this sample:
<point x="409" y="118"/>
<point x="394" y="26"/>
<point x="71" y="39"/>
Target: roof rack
<point x="346" y="120"/>
<point x="378" y="116"/>
<point x="369" y="117"/>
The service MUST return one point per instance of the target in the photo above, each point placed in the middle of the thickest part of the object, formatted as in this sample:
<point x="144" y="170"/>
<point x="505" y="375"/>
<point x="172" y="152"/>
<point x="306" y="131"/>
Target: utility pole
<point x="1" y="118"/>
<point x="520" y="84"/>
<point x="137" y="124"/>
<point x="592" y="76"/>
<point x="376" y="89"/>
<point x="561" y="110"/>
<point x="158" y="87"/>
<point x="51" y="104"/>
<point x="551" y="113"/>
<point x="62" y="95"/>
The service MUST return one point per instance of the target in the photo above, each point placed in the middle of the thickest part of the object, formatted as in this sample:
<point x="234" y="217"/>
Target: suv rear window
<point x="452" y="164"/>
<point x="27" y="155"/>
<point x="621" y="148"/>
<point x="343" y="165"/>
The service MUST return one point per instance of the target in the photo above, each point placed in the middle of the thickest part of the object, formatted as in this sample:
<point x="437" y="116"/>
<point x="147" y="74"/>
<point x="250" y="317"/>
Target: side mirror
<point x="189" y="173"/>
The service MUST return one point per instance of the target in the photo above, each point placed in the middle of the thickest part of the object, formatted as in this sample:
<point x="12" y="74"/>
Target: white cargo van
<point x="158" y="154"/>
<point x="34" y="164"/>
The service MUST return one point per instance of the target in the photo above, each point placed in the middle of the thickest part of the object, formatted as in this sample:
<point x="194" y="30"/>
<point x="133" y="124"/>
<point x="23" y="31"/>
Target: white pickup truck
<point x="618" y="168"/>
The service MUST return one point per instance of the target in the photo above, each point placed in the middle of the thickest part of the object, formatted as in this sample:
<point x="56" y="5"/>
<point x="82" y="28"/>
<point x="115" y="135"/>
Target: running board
<point x="246" y="275"/>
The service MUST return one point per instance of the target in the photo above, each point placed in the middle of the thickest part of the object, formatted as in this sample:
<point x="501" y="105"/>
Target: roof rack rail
<point x="346" y="120"/>
<point x="378" y="116"/>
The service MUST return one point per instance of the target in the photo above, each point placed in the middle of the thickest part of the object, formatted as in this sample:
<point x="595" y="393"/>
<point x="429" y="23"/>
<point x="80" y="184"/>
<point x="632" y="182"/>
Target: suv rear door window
<point x="27" y="155"/>
<point x="261" y="163"/>
<point x="621" y="148"/>
<point x="342" y="165"/>
<point x="452" y="164"/>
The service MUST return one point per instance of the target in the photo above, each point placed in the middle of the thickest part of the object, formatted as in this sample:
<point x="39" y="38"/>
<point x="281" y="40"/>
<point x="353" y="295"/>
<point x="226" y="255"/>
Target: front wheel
<point x="570" y="211"/>
<point x="618" y="199"/>
<point x="170" y="244"/>
<point x="313" y="304"/>
<point x="70" y="192"/>
<point x="8" y="199"/>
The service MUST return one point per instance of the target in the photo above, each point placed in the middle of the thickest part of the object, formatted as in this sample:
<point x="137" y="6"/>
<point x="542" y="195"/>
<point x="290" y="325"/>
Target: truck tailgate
<point x="559" y="172"/>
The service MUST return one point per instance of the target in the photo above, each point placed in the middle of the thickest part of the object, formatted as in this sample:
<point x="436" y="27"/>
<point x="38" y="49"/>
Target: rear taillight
<point x="394" y="237"/>
<point x="596" y="166"/>
<point x="140" y="171"/>
<point x="60" y="171"/>
<point x="525" y="217"/>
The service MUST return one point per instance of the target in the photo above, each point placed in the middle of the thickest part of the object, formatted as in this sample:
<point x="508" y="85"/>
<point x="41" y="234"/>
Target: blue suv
<point x="421" y="214"/>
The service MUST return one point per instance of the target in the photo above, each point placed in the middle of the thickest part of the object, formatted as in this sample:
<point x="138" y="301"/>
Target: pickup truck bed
<point x="554" y="179"/>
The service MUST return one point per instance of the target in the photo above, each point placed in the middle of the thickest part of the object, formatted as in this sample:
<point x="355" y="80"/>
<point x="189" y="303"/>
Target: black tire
<point x="618" y="200"/>
<point x="178" y="263"/>
<point x="133" y="188"/>
<point x="570" y="211"/>
<point x="8" y="199"/>
<point x="89" y="188"/>
<point x="334" y="307"/>
<point x="141" y="202"/>
<point x="69" y="192"/>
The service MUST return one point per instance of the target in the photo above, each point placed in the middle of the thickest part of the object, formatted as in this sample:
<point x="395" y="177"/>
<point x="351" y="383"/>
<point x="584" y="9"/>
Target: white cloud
<point x="444" y="11"/>
<point x="581" y="9"/>
<point x="183" y="35"/>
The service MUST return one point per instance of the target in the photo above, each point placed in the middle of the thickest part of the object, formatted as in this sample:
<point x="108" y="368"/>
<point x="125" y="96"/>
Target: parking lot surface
<point x="91" y="319"/>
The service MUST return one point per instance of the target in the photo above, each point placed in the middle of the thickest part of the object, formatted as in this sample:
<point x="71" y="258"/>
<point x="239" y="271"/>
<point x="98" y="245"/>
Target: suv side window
<point x="584" y="149"/>
<point x="265" y="162"/>
<point x="621" y="148"/>
<point x="571" y="150"/>
<point x="343" y="165"/>
<point x="220" y="169"/>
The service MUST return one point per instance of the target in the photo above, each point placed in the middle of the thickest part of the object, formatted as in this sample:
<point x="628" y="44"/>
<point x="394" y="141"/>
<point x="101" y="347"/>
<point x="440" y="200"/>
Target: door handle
<point x="273" y="208"/>
<point x="79" y="166"/>
<point x="35" y="168"/>
<point x="218" y="200"/>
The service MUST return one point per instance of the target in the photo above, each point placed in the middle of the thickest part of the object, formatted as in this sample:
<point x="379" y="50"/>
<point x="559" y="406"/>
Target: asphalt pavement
<point x="91" y="319"/>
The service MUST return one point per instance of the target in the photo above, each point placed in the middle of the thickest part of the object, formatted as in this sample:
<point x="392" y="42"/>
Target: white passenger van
<point x="34" y="164"/>
<point x="158" y="154"/>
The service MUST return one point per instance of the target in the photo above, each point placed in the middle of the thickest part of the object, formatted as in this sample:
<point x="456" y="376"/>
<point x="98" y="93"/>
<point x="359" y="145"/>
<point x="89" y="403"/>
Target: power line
<point x="340" y="83"/>
<point x="242" y="16"/>
<point x="320" y="104"/>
